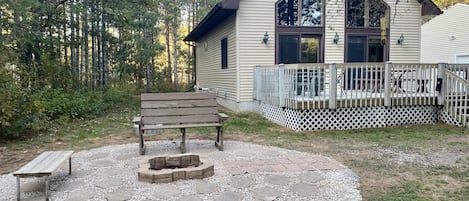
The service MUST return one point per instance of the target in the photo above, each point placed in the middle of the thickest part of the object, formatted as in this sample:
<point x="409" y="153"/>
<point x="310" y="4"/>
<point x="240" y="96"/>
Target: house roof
<point x="429" y="8"/>
<point x="217" y="15"/>
<point x="226" y="8"/>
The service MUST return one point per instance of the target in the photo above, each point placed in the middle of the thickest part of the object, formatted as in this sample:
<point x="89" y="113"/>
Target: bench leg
<point x="142" y="145"/>
<point x="18" y="192"/>
<point x="183" y="140"/>
<point x="47" y="188"/>
<point x="219" y="141"/>
<point x="70" y="166"/>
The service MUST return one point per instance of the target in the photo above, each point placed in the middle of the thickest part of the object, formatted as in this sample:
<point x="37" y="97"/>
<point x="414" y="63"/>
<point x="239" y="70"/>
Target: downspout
<point x="195" y="60"/>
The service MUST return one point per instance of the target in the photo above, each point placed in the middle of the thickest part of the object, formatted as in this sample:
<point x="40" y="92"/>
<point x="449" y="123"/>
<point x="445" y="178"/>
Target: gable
<point x="221" y="11"/>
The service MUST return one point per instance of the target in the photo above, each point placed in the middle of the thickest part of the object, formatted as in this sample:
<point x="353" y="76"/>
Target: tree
<point x="445" y="4"/>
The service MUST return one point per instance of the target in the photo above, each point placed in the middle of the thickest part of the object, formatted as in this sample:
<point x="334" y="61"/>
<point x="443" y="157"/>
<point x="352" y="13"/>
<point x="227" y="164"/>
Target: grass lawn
<point x="400" y="163"/>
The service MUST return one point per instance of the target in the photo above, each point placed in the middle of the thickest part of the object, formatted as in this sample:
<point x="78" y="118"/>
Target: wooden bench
<point x="179" y="111"/>
<point x="43" y="166"/>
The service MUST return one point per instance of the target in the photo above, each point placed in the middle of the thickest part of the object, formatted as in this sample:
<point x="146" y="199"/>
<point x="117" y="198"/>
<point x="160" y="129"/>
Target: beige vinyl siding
<point x="255" y="18"/>
<point x="438" y="43"/>
<point x="406" y="20"/>
<point x="209" y="72"/>
<point x="335" y="23"/>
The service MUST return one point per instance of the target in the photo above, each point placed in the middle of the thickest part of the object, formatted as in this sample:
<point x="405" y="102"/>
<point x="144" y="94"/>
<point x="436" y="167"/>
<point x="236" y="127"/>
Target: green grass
<point x="409" y="191"/>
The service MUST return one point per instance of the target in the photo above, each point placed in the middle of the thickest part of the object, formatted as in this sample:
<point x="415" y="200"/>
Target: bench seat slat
<point x="210" y="118"/>
<point x="153" y="127"/>
<point x="179" y="111"/>
<point x="177" y="96"/>
<point x="179" y="103"/>
<point x="44" y="164"/>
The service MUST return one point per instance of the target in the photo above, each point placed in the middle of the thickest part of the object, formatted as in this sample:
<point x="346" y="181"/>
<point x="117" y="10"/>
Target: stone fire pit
<point x="165" y="169"/>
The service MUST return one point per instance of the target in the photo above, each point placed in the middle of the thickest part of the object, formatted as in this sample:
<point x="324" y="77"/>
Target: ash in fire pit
<point x="164" y="169"/>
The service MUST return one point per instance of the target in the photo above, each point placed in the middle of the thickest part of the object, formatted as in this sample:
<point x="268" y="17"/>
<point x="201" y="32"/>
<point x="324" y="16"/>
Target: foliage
<point x="71" y="59"/>
<point x="36" y="111"/>
<point x="444" y="4"/>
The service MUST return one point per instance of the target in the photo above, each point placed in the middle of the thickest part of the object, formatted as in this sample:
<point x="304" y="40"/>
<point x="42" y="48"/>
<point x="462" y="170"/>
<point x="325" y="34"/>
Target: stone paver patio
<point x="242" y="172"/>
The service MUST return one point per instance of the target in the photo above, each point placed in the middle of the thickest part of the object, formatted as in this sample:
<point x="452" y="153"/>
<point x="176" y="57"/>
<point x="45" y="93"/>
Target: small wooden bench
<point x="43" y="166"/>
<point x="180" y="111"/>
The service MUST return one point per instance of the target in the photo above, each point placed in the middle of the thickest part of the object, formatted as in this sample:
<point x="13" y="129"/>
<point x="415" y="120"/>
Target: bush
<point x="81" y="104"/>
<point x="19" y="110"/>
<point x="22" y="110"/>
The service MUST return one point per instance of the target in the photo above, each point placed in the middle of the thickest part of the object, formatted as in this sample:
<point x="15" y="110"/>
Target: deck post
<point x="333" y="86"/>
<point x="441" y="77"/>
<point x="257" y="82"/>
<point x="387" y="84"/>
<point x="281" y="85"/>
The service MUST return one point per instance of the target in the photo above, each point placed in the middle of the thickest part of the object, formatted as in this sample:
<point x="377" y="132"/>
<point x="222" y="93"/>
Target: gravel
<point x="110" y="173"/>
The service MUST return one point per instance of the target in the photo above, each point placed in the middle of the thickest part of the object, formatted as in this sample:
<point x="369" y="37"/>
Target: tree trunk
<point x="72" y="45"/>
<point x="85" y="48"/>
<point x="104" y="49"/>
<point x="168" y="48"/>
<point x="99" y="49"/>
<point x="175" y="50"/>
<point x="94" y="56"/>
<point x="146" y="35"/>
<point x="77" y="49"/>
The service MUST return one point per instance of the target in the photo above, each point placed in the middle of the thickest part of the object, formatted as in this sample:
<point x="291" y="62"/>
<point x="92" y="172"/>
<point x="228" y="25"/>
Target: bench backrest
<point x="178" y="108"/>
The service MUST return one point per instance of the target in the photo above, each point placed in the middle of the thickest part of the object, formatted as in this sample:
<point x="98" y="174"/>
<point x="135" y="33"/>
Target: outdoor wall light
<point x="265" y="38"/>
<point x="400" y="40"/>
<point x="336" y="38"/>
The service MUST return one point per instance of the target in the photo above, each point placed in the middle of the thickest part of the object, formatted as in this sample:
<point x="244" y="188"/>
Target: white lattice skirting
<point x="352" y="118"/>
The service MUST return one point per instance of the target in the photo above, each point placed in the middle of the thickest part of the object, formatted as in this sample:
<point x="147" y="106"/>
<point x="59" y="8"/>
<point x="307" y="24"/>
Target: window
<point x="299" y="31"/>
<point x="311" y="13"/>
<point x="224" y="53"/>
<point x="297" y="48"/>
<point x="367" y="31"/>
<point x="366" y="13"/>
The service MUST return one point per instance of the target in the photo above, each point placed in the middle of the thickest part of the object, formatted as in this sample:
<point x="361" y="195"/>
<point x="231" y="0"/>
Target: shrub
<point x="23" y="110"/>
<point x="18" y="109"/>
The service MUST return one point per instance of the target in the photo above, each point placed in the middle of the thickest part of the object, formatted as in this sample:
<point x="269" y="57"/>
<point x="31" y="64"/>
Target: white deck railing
<point x="456" y="93"/>
<point x="307" y="86"/>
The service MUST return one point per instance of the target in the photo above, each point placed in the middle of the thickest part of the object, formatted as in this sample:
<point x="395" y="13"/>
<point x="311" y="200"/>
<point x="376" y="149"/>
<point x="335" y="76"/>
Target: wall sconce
<point x="336" y="38"/>
<point x="400" y="40"/>
<point x="265" y="38"/>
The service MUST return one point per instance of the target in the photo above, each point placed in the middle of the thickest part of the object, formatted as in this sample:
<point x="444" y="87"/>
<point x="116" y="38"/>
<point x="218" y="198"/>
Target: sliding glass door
<point x="298" y="49"/>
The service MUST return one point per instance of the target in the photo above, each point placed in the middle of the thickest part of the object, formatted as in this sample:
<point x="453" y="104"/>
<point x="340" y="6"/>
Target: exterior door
<point x="362" y="49"/>
<point x="299" y="49"/>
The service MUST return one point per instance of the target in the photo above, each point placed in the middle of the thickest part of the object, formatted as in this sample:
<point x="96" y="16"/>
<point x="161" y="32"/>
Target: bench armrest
<point x="223" y="116"/>
<point x="136" y="120"/>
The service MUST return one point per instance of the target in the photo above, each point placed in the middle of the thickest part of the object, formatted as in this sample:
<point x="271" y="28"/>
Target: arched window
<point x="311" y="13"/>
<point x="365" y="13"/>
<point x="299" y="31"/>
<point x="367" y="28"/>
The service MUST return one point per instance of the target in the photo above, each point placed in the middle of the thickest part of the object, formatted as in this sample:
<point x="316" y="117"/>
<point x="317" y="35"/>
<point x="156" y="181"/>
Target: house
<point x="237" y="35"/>
<point x="445" y="38"/>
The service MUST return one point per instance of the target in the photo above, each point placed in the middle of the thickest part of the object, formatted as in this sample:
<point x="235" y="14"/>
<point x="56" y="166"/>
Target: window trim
<point x="224" y="53"/>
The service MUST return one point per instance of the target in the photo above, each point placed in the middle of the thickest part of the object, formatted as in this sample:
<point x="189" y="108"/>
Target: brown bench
<point x="179" y="111"/>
